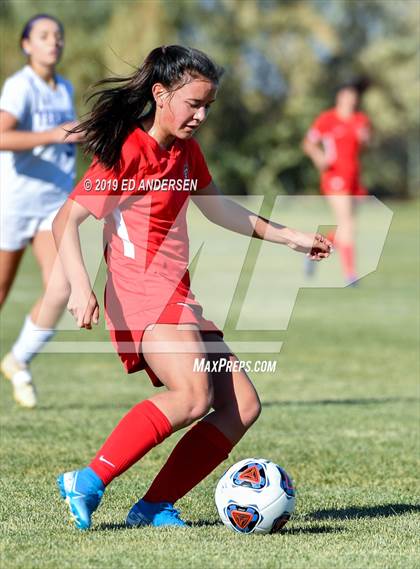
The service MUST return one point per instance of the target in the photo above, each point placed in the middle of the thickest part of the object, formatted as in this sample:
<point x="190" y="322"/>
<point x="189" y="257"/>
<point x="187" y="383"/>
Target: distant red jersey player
<point x="334" y="142"/>
<point x="341" y="139"/>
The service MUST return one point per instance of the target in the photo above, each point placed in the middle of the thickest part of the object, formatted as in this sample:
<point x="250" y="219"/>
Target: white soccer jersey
<point x="36" y="182"/>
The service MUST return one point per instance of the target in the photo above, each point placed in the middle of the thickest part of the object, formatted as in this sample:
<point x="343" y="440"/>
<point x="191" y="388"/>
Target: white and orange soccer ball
<point x="255" y="496"/>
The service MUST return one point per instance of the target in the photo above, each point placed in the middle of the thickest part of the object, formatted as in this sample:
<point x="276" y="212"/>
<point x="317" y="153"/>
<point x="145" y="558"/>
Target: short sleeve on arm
<point x="15" y="97"/>
<point x="102" y="190"/>
<point x="199" y="168"/>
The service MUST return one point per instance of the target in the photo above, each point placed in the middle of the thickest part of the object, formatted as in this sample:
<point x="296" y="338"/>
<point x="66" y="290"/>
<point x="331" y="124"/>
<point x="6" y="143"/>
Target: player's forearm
<point x="274" y="232"/>
<point x="19" y="140"/>
<point x="236" y="218"/>
<point x="66" y="235"/>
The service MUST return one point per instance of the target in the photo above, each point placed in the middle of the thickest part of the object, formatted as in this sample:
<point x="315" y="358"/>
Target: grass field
<point x="340" y="414"/>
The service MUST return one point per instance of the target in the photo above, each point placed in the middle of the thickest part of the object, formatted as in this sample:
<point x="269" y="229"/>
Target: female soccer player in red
<point x="140" y="132"/>
<point x="333" y="143"/>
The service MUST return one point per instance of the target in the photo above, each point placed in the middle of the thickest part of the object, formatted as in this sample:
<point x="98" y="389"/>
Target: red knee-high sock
<point x="197" y="454"/>
<point x="144" y="427"/>
<point x="347" y="259"/>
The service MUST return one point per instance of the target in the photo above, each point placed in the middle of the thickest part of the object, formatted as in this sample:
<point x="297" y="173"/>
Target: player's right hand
<point x="315" y="245"/>
<point x="84" y="307"/>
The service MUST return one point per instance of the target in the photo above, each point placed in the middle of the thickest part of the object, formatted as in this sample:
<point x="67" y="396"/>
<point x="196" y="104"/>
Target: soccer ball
<point x="255" y="496"/>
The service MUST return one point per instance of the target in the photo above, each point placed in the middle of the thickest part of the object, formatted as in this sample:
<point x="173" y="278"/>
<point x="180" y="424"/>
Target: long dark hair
<point x="120" y="109"/>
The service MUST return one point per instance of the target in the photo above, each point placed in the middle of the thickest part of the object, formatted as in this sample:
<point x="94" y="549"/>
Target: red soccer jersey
<point x="144" y="205"/>
<point x="341" y="139"/>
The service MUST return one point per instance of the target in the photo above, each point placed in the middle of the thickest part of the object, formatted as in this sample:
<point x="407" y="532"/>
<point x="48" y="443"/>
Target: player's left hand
<point x="84" y="307"/>
<point x="315" y="245"/>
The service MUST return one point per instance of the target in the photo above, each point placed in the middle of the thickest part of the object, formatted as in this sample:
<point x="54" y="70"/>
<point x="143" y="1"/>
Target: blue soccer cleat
<point x="82" y="490"/>
<point x="154" y="514"/>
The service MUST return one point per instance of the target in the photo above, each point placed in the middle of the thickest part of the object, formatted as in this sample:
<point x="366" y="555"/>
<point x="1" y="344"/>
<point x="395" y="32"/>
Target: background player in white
<point x="37" y="162"/>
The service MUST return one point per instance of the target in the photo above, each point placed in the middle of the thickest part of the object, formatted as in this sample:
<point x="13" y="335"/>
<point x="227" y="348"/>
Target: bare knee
<point x="249" y="411"/>
<point x="197" y="404"/>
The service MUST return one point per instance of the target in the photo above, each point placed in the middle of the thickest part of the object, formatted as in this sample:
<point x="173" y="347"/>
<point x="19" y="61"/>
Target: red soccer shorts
<point x="337" y="184"/>
<point x="128" y="343"/>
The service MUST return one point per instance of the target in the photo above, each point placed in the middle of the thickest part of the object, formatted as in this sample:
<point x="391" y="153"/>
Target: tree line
<point x="283" y="60"/>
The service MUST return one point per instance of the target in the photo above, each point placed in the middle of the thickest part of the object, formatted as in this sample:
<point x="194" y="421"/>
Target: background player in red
<point x="333" y="143"/>
<point x="140" y="132"/>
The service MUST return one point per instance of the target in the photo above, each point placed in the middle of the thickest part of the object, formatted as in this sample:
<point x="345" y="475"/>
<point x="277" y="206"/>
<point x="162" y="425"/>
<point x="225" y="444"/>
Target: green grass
<point x="340" y="414"/>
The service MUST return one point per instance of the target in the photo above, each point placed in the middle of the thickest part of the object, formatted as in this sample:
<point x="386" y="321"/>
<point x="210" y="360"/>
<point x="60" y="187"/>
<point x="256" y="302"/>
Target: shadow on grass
<point x="292" y="530"/>
<point x="122" y="526"/>
<point x="112" y="527"/>
<point x="384" y="511"/>
<point x="363" y="401"/>
<point x="310" y="530"/>
<point x="205" y="523"/>
<point x="126" y="405"/>
<point x="297" y="530"/>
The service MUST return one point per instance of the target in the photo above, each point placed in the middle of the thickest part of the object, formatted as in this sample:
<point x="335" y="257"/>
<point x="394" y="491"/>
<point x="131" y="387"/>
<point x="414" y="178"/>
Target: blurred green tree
<point x="283" y="59"/>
